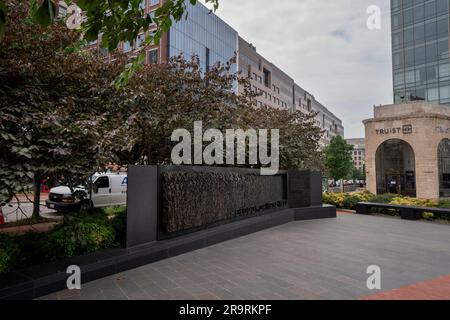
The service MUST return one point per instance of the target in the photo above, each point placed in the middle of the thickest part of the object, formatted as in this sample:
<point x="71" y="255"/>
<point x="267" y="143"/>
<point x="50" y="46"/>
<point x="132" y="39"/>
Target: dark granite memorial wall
<point x="196" y="199"/>
<point x="169" y="201"/>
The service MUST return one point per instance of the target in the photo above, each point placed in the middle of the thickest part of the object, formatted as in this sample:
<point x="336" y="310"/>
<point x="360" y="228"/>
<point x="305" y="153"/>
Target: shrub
<point x="115" y="210"/>
<point x="84" y="232"/>
<point x="444" y="204"/>
<point x="80" y="233"/>
<point x="428" y="216"/>
<point x="383" y="198"/>
<point x="347" y="200"/>
<point x="4" y="261"/>
<point x="407" y="201"/>
<point x="9" y="252"/>
<point x="119" y="223"/>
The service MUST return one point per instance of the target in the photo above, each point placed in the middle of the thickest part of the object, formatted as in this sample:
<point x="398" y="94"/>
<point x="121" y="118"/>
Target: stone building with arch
<point x="408" y="150"/>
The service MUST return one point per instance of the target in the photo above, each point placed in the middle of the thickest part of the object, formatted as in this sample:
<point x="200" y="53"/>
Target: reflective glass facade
<point x="420" y="50"/>
<point x="205" y="35"/>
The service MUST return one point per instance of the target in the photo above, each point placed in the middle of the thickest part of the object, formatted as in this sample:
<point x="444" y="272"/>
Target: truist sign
<point x="406" y="129"/>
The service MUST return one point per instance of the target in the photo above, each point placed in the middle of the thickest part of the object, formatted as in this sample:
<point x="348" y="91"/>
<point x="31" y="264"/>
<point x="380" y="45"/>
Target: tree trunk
<point x="37" y="194"/>
<point x="342" y="185"/>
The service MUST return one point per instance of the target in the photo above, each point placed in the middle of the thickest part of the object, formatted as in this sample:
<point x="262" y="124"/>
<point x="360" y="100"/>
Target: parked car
<point x="107" y="189"/>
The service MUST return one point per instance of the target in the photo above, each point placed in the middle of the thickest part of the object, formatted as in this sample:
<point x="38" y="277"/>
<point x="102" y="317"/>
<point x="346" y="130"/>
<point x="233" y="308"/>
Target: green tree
<point x="59" y="114"/>
<point x="165" y="97"/>
<point x="338" y="160"/>
<point x="115" y="20"/>
<point x="356" y="174"/>
<point x="55" y="105"/>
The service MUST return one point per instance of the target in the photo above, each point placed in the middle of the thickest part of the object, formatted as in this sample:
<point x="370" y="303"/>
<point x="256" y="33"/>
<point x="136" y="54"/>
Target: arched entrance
<point x="396" y="173"/>
<point x="444" y="168"/>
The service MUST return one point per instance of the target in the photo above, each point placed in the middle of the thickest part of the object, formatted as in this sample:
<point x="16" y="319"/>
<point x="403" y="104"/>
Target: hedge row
<point x="80" y="233"/>
<point x="349" y="201"/>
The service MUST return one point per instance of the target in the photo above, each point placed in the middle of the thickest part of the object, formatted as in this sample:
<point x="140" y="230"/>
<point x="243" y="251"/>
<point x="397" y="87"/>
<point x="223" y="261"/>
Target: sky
<point x="326" y="47"/>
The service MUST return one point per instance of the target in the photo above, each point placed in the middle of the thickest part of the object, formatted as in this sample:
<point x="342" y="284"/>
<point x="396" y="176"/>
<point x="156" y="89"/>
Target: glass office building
<point x="203" y="34"/>
<point x="420" y="50"/>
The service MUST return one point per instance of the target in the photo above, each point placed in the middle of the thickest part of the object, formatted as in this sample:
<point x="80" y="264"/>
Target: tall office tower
<point x="420" y="50"/>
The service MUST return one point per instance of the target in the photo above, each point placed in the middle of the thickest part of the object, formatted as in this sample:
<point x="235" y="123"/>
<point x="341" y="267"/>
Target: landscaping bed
<point x="78" y="234"/>
<point x="349" y="200"/>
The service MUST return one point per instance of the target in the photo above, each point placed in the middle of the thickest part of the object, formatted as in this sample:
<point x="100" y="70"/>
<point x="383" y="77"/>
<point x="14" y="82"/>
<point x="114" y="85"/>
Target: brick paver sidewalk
<point x="435" y="289"/>
<point x="321" y="259"/>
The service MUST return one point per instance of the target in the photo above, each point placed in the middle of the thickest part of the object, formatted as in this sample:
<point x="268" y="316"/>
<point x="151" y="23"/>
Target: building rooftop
<point x="408" y="109"/>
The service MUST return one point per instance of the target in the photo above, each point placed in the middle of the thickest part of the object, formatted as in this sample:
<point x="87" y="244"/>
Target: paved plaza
<point x="322" y="259"/>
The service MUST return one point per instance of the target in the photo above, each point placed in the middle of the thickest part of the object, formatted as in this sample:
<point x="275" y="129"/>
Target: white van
<point x="108" y="189"/>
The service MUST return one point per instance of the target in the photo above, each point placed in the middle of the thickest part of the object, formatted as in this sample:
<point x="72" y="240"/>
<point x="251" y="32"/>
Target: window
<point x="152" y="16"/>
<point x="430" y="10"/>
<point x="207" y="59"/>
<point x="153" y="56"/>
<point x="409" y="58"/>
<point x="442" y="28"/>
<point x="443" y="49"/>
<point x="442" y="7"/>
<point x="421" y="76"/>
<point x="127" y="46"/>
<point x="419" y="55"/>
<point x="431" y="52"/>
<point x="419" y="34"/>
<point x="62" y="11"/>
<point x="407" y="3"/>
<point x="444" y="168"/>
<point x="102" y="182"/>
<point x="433" y="94"/>
<point x="409" y="76"/>
<point x="397" y="20"/>
<point x="139" y="40"/>
<point x="267" y="78"/>
<point x="397" y="60"/>
<point x="419" y="13"/>
<point x="408" y="36"/>
<point x="399" y="95"/>
<point x="430" y="31"/>
<point x="444" y="71"/>
<point x="104" y="52"/>
<point x="420" y="93"/>
<point x="153" y="2"/>
<point x="397" y="39"/>
<point x="432" y="73"/>
<point x="408" y="17"/>
<point x="396" y="4"/>
<point x="444" y="92"/>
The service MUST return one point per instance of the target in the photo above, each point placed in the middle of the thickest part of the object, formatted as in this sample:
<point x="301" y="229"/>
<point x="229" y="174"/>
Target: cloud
<point x="343" y="34"/>
<point x="326" y="47"/>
